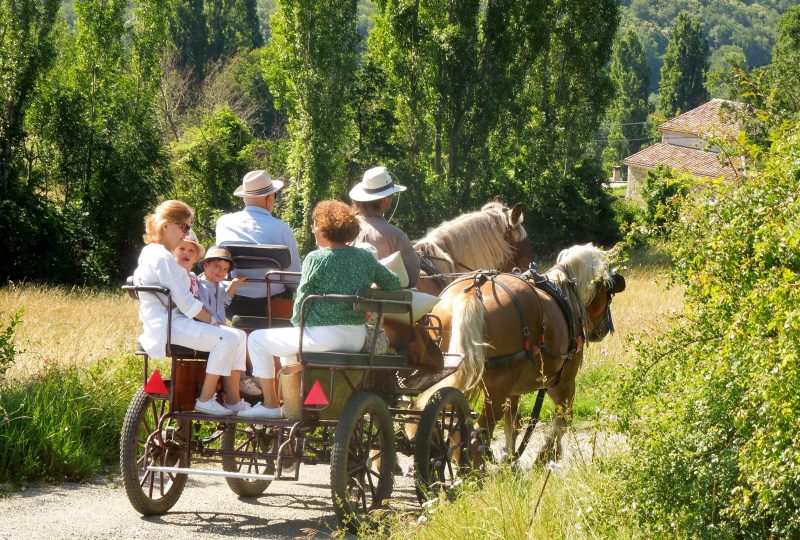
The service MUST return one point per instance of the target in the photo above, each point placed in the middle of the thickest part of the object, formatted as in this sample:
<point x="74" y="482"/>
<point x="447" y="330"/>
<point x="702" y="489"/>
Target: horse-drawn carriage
<point x="516" y="333"/>
<point x="350" y="410"/>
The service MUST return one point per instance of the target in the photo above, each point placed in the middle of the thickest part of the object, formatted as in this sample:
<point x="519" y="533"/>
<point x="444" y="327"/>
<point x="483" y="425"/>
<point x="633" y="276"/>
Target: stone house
<point x="685" y="146"/>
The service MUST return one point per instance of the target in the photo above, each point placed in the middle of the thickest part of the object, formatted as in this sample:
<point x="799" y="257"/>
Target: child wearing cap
<point x="187" y="254"/>
<point x="213" y="293"/>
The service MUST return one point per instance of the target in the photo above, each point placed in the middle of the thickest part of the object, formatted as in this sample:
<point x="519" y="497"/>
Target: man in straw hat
<point x="372" y="198"/>
<point x="256" y="225"/>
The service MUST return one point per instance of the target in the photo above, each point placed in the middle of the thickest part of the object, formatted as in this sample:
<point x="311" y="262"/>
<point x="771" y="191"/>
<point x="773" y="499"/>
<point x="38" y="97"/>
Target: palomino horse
<point x="515" y="338"/>
<point x="491" y="238"/>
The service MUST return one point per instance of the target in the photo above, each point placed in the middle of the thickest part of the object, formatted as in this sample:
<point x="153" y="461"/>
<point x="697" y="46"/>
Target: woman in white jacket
<point x="165" y="228"/>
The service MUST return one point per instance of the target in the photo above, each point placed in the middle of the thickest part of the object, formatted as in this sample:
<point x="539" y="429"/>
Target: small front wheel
<point x="362" y="460"/>
<point x="441" y="446"/>
<point x="252" y="440"/>
<point x="151" y="438"/>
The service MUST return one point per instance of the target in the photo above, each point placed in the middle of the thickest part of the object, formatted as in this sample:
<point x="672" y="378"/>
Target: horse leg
<point x="563" y="395"/>
<point x="511" y="425"/>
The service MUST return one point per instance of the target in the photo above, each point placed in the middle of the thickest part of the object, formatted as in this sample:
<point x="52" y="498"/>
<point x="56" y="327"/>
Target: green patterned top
<point x="338" y="271"/>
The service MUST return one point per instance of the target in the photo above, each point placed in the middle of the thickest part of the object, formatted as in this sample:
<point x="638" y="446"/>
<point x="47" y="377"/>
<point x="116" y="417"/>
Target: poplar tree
<point x="26" y="52"/>
<point x="311" y="66"/>
<point x="189" y="35"/>
<point x="232" y="27"/>
<point x="683" y="74"/>
<point x="628" y="112"/>
<point x="784" y="73"/>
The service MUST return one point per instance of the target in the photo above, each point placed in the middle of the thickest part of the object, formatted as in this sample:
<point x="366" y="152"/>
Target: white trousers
<point x="226" y="346"/>
<point x="285" y="342"/>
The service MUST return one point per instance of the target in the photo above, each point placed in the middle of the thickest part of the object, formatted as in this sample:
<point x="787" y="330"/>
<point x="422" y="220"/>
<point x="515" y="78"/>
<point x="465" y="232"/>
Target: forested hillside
<point x="743" y="29"/>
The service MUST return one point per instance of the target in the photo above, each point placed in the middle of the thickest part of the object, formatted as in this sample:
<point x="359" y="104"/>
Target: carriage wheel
<point x="362" y="460"/>
<point x="441" y="446"/>
<point x="252" y="440"/>
<point x="149" y="438"/>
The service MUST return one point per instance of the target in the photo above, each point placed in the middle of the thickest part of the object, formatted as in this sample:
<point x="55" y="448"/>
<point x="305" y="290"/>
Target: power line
<point x="623" y="139"/>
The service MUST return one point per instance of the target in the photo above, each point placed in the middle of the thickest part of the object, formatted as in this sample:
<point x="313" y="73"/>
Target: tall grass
<point x="68" y="326"/>
<point x="575" y="503"/>
<point x="65" y="422"/>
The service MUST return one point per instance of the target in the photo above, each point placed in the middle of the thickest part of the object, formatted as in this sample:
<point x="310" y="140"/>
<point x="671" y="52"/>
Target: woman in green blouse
<point x="334" y="268"/>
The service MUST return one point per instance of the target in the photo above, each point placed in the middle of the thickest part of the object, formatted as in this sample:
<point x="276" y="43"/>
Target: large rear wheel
<point x="441" y="445"/>
<point x="362" y="460"/>
<point x="151" y="438"/>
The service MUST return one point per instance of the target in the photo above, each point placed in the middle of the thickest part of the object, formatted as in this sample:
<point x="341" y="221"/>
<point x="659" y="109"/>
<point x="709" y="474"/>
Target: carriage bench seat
<point x="178" y="351"/>
<point x="353" y="360"/>
<point x="247" y="322"/>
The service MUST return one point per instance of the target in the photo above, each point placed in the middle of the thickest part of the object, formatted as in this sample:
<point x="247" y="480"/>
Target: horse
<point x="516" y="338"/>
<point x="492" y="237"/>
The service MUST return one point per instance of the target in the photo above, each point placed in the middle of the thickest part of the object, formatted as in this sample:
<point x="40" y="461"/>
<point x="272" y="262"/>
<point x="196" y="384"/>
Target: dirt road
<point x="208" y="509"/>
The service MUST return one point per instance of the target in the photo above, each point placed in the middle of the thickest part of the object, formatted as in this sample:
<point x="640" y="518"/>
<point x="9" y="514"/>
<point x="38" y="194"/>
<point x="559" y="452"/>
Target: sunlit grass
<point x="576" y="503"/>
<point x="64" y="423"/>
<point x="68" y="327"/>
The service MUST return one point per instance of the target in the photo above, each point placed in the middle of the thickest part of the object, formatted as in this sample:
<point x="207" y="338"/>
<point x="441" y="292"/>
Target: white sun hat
<point x="376" y="184"/>
<point x="257" y="184"/>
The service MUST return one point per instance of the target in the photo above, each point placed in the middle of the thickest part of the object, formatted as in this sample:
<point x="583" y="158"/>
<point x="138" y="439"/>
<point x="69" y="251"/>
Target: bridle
<point x="606" y="325"/>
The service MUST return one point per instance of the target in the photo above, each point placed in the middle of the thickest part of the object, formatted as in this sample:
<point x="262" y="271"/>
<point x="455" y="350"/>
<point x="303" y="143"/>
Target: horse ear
<point x="497" y="199"/>
<point x="516" y="214"/>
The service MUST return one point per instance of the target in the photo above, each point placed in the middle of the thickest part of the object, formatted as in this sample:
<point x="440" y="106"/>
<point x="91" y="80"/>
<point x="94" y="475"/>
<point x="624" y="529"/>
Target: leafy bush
<point x="663" y="191"/>
<point x="8" y="349"/>
<point x="712" y="408"/>
<point x="65" y="423"/>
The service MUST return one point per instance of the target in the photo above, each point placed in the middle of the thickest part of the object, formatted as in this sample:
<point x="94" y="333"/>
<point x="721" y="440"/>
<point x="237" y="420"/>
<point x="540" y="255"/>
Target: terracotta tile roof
<point x="697" y="162"/>
<point x="712" y="117"/>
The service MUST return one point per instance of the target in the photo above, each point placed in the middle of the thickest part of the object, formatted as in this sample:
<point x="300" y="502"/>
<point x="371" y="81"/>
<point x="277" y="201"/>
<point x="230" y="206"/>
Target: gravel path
<point x="208" y="509"/>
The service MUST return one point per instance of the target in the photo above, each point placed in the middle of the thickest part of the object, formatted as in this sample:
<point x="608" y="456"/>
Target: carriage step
<point x="207" y="472"/>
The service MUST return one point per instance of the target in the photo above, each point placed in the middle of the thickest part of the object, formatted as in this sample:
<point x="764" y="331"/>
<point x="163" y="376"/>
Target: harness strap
<point x="429" y="268"/>
<point x="537" y="410"/>
<point x="523" y="318"/>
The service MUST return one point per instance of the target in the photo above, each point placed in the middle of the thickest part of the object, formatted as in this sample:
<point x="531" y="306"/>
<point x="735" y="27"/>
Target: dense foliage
<point x="713" y="406"/>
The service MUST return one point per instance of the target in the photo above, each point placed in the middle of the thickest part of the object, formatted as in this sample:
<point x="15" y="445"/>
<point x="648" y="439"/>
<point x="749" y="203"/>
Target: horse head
<point x="599" y="309"/>
<point x="584" y="276"/>
<point x="515" y="235"/>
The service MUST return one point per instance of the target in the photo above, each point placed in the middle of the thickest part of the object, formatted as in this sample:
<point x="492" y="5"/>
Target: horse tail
<point x="468" y="327"/>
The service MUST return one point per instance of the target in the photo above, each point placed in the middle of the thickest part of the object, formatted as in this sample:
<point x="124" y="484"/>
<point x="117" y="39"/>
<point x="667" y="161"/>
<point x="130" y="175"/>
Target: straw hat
<point x="376" y="184"/>
<point x="216" y="252"/>
<point x="258" y="184"/>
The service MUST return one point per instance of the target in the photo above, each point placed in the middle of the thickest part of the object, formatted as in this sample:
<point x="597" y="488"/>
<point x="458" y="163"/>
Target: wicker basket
<point x="289" y="390"/>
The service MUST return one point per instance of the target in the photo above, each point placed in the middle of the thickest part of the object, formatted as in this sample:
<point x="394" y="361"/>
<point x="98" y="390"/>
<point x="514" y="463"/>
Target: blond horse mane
<point x="475" y="240"/>
<point x="583" y="266"/>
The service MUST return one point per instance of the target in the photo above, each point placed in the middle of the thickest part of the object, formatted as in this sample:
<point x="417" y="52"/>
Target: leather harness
<point x="529" y="351"/>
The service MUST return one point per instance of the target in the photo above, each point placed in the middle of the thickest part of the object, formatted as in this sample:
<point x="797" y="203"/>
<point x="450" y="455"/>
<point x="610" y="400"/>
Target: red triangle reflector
<point x="316" y="396"/>
<point x="156" y="384"/>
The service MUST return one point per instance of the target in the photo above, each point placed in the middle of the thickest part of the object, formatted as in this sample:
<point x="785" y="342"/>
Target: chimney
<point x="617" y="176"/>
